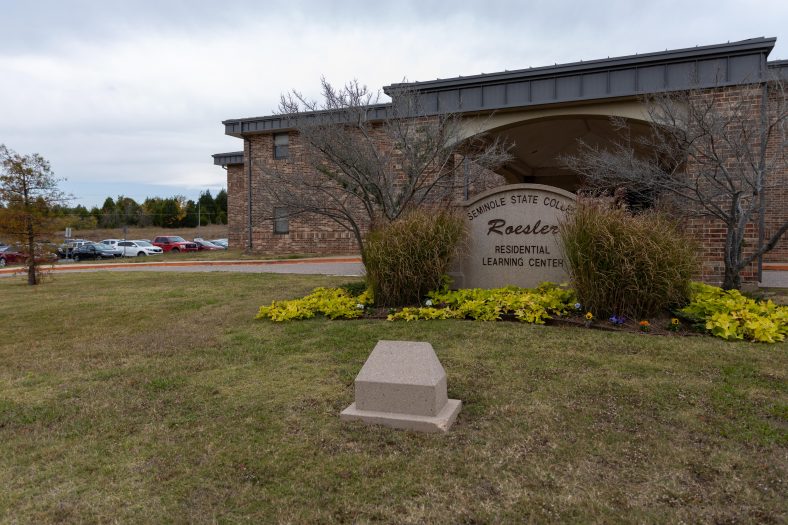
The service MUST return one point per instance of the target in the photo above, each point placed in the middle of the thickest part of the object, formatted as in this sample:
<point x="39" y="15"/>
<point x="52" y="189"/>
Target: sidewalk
<point x="775" y="275"/>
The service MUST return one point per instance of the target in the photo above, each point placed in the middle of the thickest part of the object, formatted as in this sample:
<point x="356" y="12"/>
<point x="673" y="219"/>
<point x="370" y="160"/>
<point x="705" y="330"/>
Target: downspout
<point x="762" y="176"/>
<point x="248" y="147"/>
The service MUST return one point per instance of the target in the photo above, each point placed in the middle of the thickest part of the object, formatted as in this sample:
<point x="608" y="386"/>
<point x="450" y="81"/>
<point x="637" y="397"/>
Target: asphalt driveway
<point x="344" y="266"/>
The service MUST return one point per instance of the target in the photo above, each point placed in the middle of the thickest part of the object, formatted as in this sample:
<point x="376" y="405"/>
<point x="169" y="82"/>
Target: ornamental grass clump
<point x="409" y="257"/>
<point x="627" y="265"/>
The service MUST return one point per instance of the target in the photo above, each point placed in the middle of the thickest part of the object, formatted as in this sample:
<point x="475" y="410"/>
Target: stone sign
<point x="513" y="237"/>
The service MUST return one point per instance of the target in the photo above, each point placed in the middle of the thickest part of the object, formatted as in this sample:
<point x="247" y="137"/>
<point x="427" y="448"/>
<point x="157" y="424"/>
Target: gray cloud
<point x="119" y="92"/>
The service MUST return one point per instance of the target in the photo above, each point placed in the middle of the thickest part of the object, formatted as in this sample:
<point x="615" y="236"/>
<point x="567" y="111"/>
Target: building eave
<point x="632" y="76"/>
<point x="281" y="123"/>
<point x="760" y="45"/>
<point x="228" y="159"/>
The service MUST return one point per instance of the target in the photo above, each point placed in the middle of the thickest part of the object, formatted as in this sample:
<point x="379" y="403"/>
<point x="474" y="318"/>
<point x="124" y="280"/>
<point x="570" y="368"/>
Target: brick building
<point x="543" y="112"/>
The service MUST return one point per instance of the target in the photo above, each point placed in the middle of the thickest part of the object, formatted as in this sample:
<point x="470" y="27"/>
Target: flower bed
<point x="725" y="314"/>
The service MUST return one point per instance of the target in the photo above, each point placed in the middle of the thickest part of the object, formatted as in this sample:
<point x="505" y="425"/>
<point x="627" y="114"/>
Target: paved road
<point x="775" y="277"/>
<point x="344" y="266"/>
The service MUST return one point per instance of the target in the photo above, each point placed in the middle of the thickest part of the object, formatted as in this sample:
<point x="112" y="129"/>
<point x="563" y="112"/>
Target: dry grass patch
<point x="157" y="398"/>
<point x="211" y="231"/>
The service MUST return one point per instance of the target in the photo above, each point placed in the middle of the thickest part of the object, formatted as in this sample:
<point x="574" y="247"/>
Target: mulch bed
<point x="659" y="325"/>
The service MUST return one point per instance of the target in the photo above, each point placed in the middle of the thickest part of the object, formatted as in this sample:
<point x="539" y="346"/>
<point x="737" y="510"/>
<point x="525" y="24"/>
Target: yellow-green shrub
<point x="410" y="313"/>
<point x="334" y="303"/>
<point x="527" y="305"/>
<point x="730" y="315"/>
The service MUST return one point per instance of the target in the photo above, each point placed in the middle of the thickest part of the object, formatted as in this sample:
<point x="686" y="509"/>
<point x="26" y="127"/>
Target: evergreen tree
<point x="207" y="206"/>
<point x="221" y="207"/>
<point x="109" y="215"/>
<point x="190" y="219"/>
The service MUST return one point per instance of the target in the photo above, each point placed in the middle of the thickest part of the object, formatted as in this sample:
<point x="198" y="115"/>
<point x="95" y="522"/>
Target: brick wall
<point x="711" y="233"/>
<point x="307" y="234"/>
<point x="313" y="234"/>
<point x="236" y="206"/>
<point x="777" y="193"/>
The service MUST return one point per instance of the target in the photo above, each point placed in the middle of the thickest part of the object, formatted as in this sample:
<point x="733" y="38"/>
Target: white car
<point x="112" y="245"/>
<point x="138" y="248"/>
<point x="220" y="242"/>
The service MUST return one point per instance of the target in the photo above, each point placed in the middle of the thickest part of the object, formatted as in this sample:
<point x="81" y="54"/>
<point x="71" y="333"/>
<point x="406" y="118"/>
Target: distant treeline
<point x="172" y="212"/>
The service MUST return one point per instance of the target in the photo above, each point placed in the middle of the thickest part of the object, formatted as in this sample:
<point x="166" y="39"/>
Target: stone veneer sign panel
<point x="513" y="237"/>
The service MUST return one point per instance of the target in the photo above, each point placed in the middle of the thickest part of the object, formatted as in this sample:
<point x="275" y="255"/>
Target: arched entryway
<point x="540" y="138"/>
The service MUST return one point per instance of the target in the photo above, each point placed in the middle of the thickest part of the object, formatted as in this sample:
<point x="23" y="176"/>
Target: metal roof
<point x="620" y="77"/>
<point x="748" y="46"/>
<point x="779" y="68"/>
<point x="272" y="123"/>
<point x="227" y="159"/>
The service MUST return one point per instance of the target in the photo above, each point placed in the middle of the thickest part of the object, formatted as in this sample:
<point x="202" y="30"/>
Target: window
<point x="281" y="145"/>
<point x="281" y="221"/>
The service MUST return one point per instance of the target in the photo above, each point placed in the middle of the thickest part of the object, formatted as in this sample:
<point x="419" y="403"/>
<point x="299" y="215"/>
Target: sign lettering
<point x="514" y="237"/>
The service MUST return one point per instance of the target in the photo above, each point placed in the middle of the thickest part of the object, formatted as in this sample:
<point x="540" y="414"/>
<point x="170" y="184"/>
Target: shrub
<point x="731" y="316"/>
<point x="524" y="304"/>
<point x="624" y="264"/>
<point x="334" y="303"/>
<point x="409" y="257"/>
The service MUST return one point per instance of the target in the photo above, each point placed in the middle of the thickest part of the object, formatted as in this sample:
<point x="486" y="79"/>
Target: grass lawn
<point x="153" y="397"/>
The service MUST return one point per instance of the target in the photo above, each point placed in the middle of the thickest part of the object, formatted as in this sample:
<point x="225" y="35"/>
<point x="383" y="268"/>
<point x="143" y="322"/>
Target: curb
<point x="164" y="264"/>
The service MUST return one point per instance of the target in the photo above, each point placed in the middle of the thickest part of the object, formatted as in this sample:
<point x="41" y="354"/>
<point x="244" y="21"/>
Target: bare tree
<point x="714" y="153"/>
<point x="371" y="162"/>
<point x="28" y="193"/>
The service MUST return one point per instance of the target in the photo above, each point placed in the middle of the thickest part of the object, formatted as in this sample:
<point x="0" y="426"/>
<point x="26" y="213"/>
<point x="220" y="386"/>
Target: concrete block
<point x="403" y="385"/>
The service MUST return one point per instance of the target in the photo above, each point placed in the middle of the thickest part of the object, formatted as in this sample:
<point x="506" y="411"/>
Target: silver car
<point x="111" y="245"/>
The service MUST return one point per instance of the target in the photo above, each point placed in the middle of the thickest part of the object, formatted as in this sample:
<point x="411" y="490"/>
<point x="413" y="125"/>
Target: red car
<point x="174" y="244"/>
<point x="12" y="255"/>
<point x="204" y="245"/>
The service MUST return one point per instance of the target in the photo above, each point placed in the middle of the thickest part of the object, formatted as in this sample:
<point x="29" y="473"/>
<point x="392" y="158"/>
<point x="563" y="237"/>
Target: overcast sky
<point x="127" y="97"/>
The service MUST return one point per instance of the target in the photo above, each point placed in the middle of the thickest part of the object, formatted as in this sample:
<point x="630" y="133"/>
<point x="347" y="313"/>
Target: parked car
<point x="138" y="248"/>
<point x="14" y="255"/>
<point x="175" y="244"/>
<point x="220" y="242"/>
<point x="204" y="245"/>
<point x="65" y="250"/>
<point x="9" y="255"/>
<point x="112" y="244"/>
<point x="92" y="250"/>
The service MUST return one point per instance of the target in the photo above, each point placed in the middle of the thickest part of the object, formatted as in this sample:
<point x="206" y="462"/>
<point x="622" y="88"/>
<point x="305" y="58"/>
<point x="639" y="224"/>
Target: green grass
<point x="157" y="398"/>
